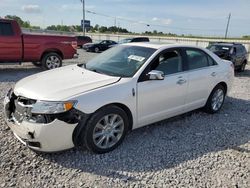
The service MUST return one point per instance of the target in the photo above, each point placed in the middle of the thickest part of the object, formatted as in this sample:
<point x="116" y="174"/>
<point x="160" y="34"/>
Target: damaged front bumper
<point x="53" y="135"/>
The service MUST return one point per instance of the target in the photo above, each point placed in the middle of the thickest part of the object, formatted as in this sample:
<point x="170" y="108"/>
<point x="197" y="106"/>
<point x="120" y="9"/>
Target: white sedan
<point x="124" y="88"/>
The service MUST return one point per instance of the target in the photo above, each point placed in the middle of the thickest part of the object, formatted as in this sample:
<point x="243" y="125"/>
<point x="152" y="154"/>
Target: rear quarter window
<point x="197" y="59"/>
<point x="6" y="29"/>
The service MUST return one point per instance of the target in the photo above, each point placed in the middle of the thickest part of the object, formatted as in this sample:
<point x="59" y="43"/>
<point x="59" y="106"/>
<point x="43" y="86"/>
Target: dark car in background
<point x="100" y="46"/>
<point x="43" y="50"/>
<point x="234" y="52"/>
<point x="81" y="40"/>
<point x="136" y="39"/>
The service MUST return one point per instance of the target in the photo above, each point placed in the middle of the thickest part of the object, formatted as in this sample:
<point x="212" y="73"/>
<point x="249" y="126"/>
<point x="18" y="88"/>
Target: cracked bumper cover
<point x="51" y="137"/>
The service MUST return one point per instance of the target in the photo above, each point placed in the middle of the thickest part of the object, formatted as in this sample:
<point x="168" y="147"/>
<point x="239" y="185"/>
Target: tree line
<point x="66" y="28"/>
<point x="99" y="29"/>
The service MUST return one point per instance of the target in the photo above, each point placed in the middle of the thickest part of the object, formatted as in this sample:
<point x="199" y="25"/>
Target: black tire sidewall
<point x="44" y="59"/>
<point x="87" y="135"/>
<point x="96" y="50"/>
<point x="208" y="107"/>
<point x="243" y="67"/>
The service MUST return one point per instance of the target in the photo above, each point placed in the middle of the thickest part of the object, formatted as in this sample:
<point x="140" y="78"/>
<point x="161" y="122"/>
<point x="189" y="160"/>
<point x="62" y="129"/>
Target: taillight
<point x="74" y="44"/>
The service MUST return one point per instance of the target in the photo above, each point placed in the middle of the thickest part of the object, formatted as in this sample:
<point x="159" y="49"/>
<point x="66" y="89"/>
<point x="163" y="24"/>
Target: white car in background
<point x="124" y="88"/>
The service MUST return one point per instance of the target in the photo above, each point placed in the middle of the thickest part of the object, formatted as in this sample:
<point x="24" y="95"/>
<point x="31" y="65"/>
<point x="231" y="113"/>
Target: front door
<point x="160" y="99"/>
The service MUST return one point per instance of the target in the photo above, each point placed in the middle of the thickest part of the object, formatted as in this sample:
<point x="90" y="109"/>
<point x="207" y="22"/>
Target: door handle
<point x="213" y="74"/>
<point x="181" y="81"/>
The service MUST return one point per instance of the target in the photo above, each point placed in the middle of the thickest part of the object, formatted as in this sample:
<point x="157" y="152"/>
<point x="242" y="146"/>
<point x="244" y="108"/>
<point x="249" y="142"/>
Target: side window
<point x="238" y="50"/>
<point x="211" y="61"/>
<point x="169" y="62"/>
<point x="234" y="50"/>
<point x="243" y="49"/>
<point x="6" y="29"/>
<point x="196" y="59"/>
<point x="135" y="40"/>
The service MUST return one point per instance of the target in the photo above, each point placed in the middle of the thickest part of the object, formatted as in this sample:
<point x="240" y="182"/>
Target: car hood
<point x="62" y="83"/>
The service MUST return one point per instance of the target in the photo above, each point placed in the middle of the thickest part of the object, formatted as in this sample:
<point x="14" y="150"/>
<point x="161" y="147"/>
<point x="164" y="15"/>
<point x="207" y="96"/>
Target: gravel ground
<point x="192" y="150"/>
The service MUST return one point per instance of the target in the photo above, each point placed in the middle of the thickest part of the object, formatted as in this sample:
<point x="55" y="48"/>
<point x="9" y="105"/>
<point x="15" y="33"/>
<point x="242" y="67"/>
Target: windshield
<point x="122" y="61"/>
<point x="216" y="48"/>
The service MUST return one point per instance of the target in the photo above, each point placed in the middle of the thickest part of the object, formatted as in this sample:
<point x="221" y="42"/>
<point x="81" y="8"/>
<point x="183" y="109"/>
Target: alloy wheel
<point x="108" y="131"/>
<point x="52" y="62"/>
<point x="217" y="99"/>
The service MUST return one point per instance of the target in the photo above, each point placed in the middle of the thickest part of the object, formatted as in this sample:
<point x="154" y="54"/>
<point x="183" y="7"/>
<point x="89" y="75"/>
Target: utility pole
<point x="83" y="17"/>
<point x="228" y="22"/>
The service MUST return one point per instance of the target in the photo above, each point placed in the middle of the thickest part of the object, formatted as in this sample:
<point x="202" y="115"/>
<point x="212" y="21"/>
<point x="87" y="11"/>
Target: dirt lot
<point x="192" y="150"/>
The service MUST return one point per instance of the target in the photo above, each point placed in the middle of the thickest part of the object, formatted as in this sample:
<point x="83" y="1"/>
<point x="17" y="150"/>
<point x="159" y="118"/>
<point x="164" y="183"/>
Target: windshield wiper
<point x="82" y="65"/>
<point x="97" y="71"/>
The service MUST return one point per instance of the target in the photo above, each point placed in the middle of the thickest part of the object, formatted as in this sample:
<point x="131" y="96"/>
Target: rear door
<point x="202" y="76"/>
<point x="10" y="43"/>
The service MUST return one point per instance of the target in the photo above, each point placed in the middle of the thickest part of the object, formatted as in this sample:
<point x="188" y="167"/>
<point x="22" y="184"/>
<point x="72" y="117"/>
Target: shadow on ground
<point x="168" y="143"/>
<point x="246" y="73"/>
<point x="14" y="74"/>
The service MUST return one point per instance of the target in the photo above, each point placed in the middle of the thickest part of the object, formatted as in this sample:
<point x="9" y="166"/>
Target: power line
<point x="150" y="24"/>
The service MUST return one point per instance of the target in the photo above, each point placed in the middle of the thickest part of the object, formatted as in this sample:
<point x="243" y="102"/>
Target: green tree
<point x="22" y="23"/>
<point x="103" y="29"/>
<point x="25" y="24"/>
<point x="96" y="28"/>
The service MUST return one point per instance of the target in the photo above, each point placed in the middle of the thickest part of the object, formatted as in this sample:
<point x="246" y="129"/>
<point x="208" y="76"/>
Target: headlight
<point x="46" y="107"/>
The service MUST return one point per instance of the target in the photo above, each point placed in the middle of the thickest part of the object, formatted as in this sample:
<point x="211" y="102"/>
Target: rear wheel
<point x="51" y="61"/>
<point x="105" y="130"/>
<point x="242" y="67"/>
<point x="97" y="50"/>
<point x="215" y="100"/>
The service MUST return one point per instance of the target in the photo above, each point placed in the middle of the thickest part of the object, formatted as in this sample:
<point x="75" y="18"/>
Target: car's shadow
<point x="246" y="73"/>
<point x="167" y="144"/>
<point x="14" y="74"/>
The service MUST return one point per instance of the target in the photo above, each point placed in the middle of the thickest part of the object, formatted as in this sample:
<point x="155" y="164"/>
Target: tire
<point x="215" y="100"/>
<point x="51" y="61"/>
<point x="242" y="67"/>
<point x="37" y="64"/>
<point x="97" y="137"/>
<point x="97" y="50"/>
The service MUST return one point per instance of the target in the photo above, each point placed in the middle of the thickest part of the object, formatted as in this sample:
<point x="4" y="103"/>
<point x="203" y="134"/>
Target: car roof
<point x="226" y="44"/>
<point x="159" y="45"/>
<point x="223" y="44"/>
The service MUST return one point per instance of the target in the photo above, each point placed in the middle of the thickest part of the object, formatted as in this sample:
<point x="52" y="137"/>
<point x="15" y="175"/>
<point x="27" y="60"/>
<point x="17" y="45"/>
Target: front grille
<point x="19" y="112"/>
<point x="20" y="108"/>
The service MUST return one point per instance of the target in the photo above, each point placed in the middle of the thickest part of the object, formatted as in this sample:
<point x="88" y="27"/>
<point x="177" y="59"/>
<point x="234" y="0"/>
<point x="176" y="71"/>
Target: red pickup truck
<point x="48" y="50"/>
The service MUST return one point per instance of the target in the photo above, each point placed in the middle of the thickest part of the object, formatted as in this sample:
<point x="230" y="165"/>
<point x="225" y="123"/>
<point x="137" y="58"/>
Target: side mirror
<point x="156" y="75"/>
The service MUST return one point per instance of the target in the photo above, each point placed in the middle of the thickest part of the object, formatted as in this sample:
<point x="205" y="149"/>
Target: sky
<point x="196" y="17"/>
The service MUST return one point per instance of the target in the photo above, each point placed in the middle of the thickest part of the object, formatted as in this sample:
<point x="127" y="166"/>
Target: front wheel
<point x="215" y="100"/>
<point x="51" y="61"/>
<point x="105" y="130"/>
